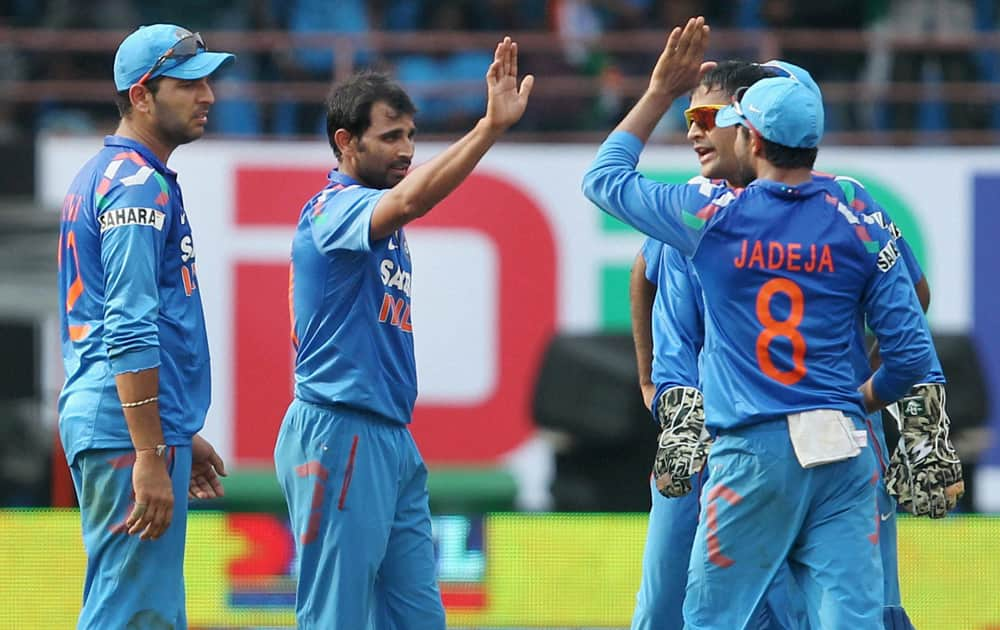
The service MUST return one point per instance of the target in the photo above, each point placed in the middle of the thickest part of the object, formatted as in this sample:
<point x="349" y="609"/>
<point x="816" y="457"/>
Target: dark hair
<point x="733" y="74"/>
<point x="786" y="157"/>
<point x="124" y="103"/>
<point x="349" y="103"/>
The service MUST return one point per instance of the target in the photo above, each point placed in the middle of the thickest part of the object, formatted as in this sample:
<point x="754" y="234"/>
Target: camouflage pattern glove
<point x="925" y="474"/>
<point x="683" y="443"/>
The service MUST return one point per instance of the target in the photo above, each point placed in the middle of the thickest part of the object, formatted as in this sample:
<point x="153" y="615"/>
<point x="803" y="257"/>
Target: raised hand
<point x="682" y="62"/>
<point x="505" y="101"/>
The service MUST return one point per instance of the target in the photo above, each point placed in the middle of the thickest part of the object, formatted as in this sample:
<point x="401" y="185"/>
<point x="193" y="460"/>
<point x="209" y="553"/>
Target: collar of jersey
<point x="336" y="177"/>
<point x="804" y="189"/>
<point x="141" y="149"/>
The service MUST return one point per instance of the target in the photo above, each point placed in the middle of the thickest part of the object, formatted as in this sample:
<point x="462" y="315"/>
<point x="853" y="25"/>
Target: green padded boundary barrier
<point x="453" y="490"/>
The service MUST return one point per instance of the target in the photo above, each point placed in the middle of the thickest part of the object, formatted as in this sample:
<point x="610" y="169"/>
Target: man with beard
<point x="133" y="338"/>
<point x="355" y="483"/>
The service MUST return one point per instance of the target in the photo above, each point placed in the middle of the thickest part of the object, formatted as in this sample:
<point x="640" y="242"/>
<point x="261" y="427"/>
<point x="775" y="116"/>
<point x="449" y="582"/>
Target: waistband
<point x="350" y="411"/>
<point x="776" y="425"/>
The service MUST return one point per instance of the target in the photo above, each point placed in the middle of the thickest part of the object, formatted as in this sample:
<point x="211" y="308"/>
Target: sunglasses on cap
<point x="185" y="48"/>
<point x="777" y="71"/>
<point x="704" y="115"/>
<point x="738" y="108"/>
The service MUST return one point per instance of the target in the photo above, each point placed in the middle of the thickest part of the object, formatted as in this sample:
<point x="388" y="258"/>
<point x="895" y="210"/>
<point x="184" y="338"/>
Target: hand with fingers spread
<point x="682" y="62"/>
<point x="206" y="468"/>
<point x="154" y="496"/>
<point x="505" y="101"/>
<point x="677" y="72"/>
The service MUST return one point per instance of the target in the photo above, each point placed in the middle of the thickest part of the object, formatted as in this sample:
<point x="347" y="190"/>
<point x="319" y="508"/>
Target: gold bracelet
<point x="140" y="403"/>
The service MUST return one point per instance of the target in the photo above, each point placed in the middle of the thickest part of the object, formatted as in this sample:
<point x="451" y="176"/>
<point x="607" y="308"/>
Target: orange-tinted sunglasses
<point x="704" y="115"/>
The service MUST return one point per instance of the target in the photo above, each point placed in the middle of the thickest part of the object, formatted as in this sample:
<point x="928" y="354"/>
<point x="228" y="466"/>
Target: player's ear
<point x="344" y="140"/>
<point x="756" y="144"/>
<point x="141" y="98"/>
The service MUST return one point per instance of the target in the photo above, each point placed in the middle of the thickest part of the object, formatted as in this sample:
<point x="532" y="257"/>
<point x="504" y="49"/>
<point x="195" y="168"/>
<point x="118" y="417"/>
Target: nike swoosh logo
<point x="885" y="517"/>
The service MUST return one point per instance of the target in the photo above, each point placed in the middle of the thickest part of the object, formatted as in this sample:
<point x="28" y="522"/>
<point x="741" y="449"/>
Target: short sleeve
<point x="341" y="218"/>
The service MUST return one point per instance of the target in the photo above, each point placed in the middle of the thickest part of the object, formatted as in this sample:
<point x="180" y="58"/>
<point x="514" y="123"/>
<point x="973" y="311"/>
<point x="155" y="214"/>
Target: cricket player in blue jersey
<point x="785" y="267"/>
<point x="667" y="317"/>
<point x="668" y="330"/>
<point x="674" y="331"/>
<point x="133" y="338"/>
<point x="355" y="483"/>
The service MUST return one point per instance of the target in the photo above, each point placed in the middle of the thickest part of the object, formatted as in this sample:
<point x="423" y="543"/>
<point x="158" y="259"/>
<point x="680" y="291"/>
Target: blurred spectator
<point x="396" y="15"/>
<point x="195" y="14"/>
<point x="593" y="102"/>
<point x="579" y="25"/>
<point x="243" y="115"/>
<point x="505" y="16"/>
<point x="80" y="117"/>
<point x="348" y="18"/>
<point x="825" y="65"/>
<point x="446" y="85"/>
<point x="928" y="19"/>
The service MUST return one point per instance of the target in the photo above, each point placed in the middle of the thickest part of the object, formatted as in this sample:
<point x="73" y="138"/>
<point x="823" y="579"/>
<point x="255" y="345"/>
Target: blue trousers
<point x="356" y="488"/>
<point x="894" y="616"/>
<point x="130" y="583"/>
<point x="761" y="509"/>
<point x="669" y="538"/>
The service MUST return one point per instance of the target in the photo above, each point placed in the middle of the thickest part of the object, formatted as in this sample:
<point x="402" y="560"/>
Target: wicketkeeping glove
<point x="683" y="443"/>
<point x="925" y="474"/>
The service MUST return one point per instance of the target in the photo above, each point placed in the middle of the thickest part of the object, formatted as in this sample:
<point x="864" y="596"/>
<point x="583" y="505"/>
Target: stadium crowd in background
<point x="575" y="23"/>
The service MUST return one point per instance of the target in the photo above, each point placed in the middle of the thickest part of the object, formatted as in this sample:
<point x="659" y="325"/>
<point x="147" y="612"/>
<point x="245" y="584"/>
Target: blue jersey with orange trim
<point x="784" y="270"/>
<point x="350" y="305"/>
<point x="129" y="299"/>
<point x="677" y="327"/>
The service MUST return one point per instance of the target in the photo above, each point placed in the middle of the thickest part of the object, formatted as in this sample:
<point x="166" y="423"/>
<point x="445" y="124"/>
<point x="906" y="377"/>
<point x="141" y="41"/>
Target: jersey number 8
<point x="783" y="328"/>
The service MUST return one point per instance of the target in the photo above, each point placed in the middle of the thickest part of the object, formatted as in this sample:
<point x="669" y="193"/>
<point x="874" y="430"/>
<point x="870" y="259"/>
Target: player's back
<point x="785" y="270"/>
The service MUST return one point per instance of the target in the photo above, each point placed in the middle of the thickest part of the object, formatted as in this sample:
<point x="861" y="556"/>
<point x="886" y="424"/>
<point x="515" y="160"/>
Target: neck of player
<point x="147" y="137"/>
<point x="789" y="176"/>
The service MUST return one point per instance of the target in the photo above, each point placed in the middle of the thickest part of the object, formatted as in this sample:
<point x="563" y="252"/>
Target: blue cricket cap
<point x="781" y="109"/>
<point x="140" y="51"/>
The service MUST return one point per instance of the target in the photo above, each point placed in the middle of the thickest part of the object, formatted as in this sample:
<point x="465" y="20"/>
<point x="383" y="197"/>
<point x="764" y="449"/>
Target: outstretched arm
<point x="427" y="185"/>
<point x="672" y="214"/>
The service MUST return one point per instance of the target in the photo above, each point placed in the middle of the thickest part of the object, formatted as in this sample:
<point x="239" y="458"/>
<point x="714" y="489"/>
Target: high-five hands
<point x="682" y="62"/>
<point x="505" y="101"/>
